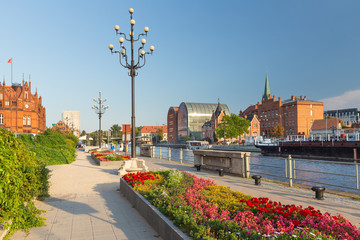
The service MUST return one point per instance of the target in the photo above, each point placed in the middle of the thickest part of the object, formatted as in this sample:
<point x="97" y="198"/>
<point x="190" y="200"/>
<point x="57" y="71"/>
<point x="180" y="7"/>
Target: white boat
<point x="193" y="145"/>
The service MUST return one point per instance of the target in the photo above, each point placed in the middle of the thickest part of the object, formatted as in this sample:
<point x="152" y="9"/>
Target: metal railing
<point x="300" y="172"/>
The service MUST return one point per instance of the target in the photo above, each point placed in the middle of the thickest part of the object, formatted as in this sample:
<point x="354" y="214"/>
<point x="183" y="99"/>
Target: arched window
<point x="24" y="120"/>
<point x="1" y="119"/>
<point x="29" y="121"/>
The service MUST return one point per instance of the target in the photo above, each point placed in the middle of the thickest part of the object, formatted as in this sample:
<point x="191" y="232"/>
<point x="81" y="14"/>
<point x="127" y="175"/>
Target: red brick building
<point x="61" y="127"/>
<point x="208" y="129"/>
<point x="296" y="115"/>
<point x="172" y="125"/>
<point x="20" y="110"/>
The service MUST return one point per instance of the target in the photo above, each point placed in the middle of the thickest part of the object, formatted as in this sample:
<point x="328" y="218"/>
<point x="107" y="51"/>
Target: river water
<point x="309" y="171"/>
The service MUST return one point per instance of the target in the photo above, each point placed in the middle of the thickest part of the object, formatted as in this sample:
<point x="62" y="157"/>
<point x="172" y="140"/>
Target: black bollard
<point x="198" y="166"/>
<point x="319" y="192"/>
<point x="257" y="179"/>
<point x="221" y="171"/>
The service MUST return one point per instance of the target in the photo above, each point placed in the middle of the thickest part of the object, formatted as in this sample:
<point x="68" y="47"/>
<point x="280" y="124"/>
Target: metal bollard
<point x="319" y="192"/>
<point x="257" y="179"/>
<point x="198" y="166"/>
<point x="221" y="171"/>
<point x="160" y="152"/>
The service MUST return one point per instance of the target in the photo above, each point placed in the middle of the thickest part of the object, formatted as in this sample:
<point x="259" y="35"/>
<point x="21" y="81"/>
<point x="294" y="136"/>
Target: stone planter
<point x="162" y="225"/>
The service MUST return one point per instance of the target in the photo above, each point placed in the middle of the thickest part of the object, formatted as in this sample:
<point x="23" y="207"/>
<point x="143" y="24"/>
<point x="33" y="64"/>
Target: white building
<point x="72" y="120"/>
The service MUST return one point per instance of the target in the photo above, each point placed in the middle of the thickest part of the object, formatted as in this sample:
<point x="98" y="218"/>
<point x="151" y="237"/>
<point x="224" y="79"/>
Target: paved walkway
<point x="85" y="204"/>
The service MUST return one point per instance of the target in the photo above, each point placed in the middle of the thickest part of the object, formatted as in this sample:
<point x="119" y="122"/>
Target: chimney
<point x="292" y="97"/>
<point x="305" y="98"/>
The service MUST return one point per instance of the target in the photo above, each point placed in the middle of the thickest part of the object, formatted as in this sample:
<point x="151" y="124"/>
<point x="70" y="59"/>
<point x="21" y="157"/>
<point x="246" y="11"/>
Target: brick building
<point x="296" y="115"/>
<point x="20" y="110"/>
<point x="208" y="129"/>
<point x="61" y="127"/>
<point x="172" y="125"/>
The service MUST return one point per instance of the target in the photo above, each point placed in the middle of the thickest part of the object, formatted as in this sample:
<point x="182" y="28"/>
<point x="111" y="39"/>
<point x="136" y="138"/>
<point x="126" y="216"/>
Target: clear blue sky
<point x="204" y="50"/>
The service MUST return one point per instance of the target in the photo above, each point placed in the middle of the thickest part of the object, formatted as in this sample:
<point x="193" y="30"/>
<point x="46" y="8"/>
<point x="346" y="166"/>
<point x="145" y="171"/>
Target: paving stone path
<point x="85" y="204"/>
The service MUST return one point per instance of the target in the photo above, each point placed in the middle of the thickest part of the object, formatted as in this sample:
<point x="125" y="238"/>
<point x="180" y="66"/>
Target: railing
<point x="309" y="171"/>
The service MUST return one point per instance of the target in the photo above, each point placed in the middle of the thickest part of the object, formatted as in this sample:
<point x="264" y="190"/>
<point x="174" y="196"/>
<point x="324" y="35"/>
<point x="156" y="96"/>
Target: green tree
<point x="116" y="130"/>
<point x="137" y="130"/>
<point x="160" y="133"/>
<point x="277" y="131"/>
<point x="83" y="133"/>
<point x="232" y="126"/>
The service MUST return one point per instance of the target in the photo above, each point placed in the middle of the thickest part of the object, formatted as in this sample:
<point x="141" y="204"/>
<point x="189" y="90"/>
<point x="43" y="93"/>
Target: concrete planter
<point x="107" y="163"/>
<point x="162" y="225"/>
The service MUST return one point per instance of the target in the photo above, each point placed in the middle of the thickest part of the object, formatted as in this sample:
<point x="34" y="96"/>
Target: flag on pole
<point x="10" y="60"/>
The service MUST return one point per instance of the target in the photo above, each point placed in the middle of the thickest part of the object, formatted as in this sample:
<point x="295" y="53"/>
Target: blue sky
<point x="204" y="50"/>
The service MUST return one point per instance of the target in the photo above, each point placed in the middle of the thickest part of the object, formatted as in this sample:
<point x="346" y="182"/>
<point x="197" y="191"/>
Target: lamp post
<point x="99" y="108"/>
<point x="132" y="66"/>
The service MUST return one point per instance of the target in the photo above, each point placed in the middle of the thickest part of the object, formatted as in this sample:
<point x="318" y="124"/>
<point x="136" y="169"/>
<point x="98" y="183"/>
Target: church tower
<point x="267" y="89"/>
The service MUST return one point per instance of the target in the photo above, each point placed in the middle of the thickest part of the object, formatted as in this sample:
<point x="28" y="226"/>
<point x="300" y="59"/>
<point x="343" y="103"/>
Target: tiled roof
<point x="320" y="124"/>
<point x="153" y="129"/>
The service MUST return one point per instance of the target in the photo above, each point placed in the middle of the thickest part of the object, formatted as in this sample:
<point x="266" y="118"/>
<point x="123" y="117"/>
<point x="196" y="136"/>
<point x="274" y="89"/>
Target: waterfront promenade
<point x="85" y="202"/>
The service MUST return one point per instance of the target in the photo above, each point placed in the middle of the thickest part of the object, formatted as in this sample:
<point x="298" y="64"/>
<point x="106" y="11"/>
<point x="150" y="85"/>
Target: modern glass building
<point x="192" y="116"/>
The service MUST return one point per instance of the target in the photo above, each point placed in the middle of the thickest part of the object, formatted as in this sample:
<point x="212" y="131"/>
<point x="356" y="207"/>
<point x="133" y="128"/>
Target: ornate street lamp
<point x="132" y="66"/>
<point x="100" y="109"/>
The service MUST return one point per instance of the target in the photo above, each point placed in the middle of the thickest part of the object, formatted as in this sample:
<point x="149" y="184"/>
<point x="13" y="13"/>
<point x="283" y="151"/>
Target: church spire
<point x="267" y="89"/>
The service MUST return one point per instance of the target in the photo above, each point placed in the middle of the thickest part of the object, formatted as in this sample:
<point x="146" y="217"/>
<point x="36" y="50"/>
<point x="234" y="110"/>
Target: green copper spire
<point x="267" y="89"/>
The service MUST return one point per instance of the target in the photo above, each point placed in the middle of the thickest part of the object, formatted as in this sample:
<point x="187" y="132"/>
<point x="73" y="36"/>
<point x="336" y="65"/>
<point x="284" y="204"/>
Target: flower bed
<point x="208" y="211"/>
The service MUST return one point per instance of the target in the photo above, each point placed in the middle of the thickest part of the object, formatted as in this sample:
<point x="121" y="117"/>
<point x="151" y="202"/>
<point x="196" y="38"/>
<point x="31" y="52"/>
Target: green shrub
<point x="23" y="177"/>
<point x="52" y="147"/>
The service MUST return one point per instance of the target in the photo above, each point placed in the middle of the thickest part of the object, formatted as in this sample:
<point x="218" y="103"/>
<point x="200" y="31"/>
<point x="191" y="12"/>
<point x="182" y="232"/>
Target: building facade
<point x="208" y="130"/>
<point x="149" y="133"/>
<point x="20" y="110"/>
<point x="172" y="125"/>
<point x="192" y="116"/>
<point x="296" y="115"/>
<point x="61" y="127"/>
<point x="349" y="116"/>
<point x="72" y="120"/>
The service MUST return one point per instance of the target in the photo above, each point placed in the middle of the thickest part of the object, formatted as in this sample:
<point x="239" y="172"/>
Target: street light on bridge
<point x="100" y="109"/>
<point x="132" y="66"/>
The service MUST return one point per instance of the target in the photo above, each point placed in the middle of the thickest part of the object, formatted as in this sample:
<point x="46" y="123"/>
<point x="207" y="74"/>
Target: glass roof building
<point x="192" y="116"/>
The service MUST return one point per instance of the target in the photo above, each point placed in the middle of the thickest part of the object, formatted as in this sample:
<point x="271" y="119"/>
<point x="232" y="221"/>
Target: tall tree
<point x="160" y="133"/>
<point x="83" y="133"/>
<point x="232" y="126"/>
<point x="116" y="130"/>
<point x="277" y="131"/>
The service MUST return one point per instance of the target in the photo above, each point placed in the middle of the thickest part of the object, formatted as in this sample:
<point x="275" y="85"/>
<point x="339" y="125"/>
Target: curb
<point x="161" y="224"/>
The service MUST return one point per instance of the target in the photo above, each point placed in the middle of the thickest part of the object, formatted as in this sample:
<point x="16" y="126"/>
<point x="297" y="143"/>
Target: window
<point x="1" y="119"/>
<point x="310" y="105"/>
<point x="1" y="96"/>
<point x="26" y="95"/>
<point x="254" y="125"/>
<point x="24" y="120"/>
<point x="29" y="121"/>
<point x="311" y="112"/>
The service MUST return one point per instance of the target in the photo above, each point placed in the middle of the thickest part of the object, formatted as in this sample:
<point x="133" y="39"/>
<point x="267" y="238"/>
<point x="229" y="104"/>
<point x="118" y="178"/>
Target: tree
<point x="277" y="131"/>
<point x="232" y="126"/>
<point x="83" y="133"/>
<point x="137" y="130"/>
<point x="160" y="133"/>
<point x="116" y="130"/>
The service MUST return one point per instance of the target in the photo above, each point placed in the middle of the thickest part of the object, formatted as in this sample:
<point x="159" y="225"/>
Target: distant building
<point x="72" y="120"/>
<point x="20" y="110"/>
<point x="172" y="125"/>
<point x="296" y="115"/>
<point x="208" y="129"/>
<point x="325" y="128"/>
<point x="349" y="116"/>
<point x="148" y="133"/>
<point x="192" y="116"/>
<point x="254" y="128"/>
<point x="61" y="127"/>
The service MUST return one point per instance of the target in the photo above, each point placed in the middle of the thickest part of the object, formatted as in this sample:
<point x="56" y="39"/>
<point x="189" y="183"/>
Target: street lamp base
<point x="132" y="166"/>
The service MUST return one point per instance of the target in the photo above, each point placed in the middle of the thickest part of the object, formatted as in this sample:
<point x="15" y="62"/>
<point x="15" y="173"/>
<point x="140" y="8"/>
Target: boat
<point x="330" y="150"/>
<point x="193" y="145"/>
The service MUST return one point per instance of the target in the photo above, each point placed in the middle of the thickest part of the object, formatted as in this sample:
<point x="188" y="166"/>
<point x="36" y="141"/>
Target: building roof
<point x="298" y="99"/>
<point x="321" y="124"/>
<point x="204" y="109"/>
<point x="153" y="129"/>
